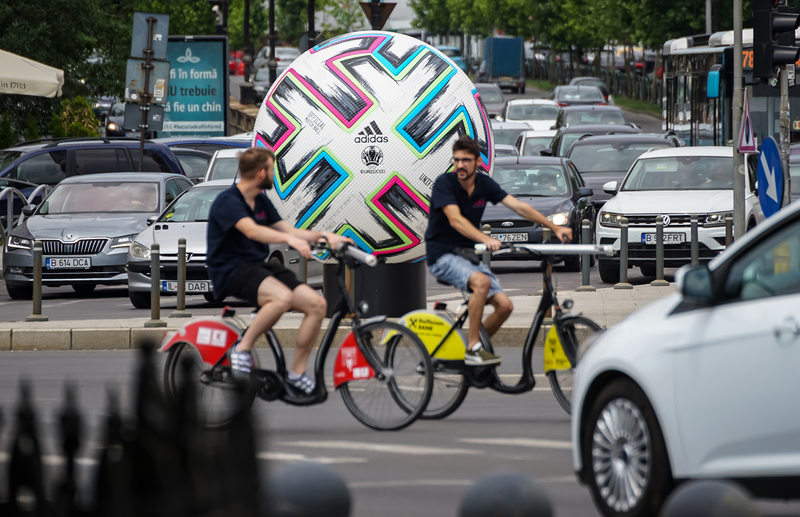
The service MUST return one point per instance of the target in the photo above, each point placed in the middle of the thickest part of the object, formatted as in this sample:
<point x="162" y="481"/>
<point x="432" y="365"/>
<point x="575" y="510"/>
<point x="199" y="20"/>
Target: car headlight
<point x="259" y="88"/>
<point x="18" y="243"/>
<point x="122" y="242"/>
<point x="609" y="219"/>
<point x="139" y="250"/>
<point x="561" y="218"/>
<point x="112" y="126"/>
<point x="712" y="220"/>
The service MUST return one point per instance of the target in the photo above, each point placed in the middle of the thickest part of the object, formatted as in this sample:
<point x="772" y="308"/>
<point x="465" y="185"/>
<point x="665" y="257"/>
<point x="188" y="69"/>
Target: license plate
<point x="510" y="237"/>
<point x="133" y="134"/>
<point x="191" y="287"/>
<point x="68" y="263"/>
<point x="669" y="238"/>
<point x="506" y="79"/>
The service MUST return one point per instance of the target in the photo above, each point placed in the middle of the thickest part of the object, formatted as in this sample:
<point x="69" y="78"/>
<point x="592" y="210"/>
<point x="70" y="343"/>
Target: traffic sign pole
<point x="785" y="138"/>
<point x="738" y="158"/>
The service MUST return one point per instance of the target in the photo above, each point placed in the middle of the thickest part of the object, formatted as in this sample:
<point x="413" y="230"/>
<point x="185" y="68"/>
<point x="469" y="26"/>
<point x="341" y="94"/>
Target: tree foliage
<point x="291" y="18"/>
<point x="76" y="118"/>
<point x="259" y="24"/>
<point x="347" y="15"/>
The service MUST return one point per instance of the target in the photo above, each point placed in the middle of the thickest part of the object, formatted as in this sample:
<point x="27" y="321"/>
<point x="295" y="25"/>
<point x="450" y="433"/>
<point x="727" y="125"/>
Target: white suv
<point x="672" y="184"/>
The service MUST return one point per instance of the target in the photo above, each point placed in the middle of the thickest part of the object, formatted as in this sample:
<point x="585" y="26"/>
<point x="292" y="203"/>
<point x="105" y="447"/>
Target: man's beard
<point x="266" y="184"/>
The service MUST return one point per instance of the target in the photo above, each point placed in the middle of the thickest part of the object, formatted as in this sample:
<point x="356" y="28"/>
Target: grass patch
<point x="541" y="85"/>
<point x="638" y="105"/>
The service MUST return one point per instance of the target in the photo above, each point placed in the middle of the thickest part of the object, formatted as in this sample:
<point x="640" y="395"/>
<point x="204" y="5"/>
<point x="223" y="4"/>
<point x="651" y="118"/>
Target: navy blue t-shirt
<point x="440" y="237"/>
<point x="228" y="248"/>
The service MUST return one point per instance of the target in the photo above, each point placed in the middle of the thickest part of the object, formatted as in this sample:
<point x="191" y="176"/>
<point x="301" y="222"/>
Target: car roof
<point x="573" y="87"/>
<point x="530" y="160"/>
<point x="587" y="128"/>
<point x="121" y="176"/>
<point x="64" y="143"/>
<point x="509" y="125"/>
<point x="215" y="183"/>
<point x="625" y="137"/>
<point x="224" y="140"/>
<point x="228" y="153"/>
<point x="717" y="150"/>
<point x="593" y="107"/>
<point x="523" y="102"/>
<point x="533" y="133"/>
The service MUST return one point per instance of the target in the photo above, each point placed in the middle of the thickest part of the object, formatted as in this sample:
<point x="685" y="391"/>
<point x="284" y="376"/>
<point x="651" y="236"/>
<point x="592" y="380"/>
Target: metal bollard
<point x="288" y="494"/>
<point x="486" y="256"/>
<point x="180" y="310"/>
<point x="155" y="289"/>
<point x="37" y="283"/>
<point x="586" y="238"/>
<point x="505" y="495"/>
<point x="623" y="255"/>
<point x="659" y="281"/>
<point x="703" y="498"/>
<point x="302" y="266"/>
<point x="695" y="249"/>
<point x="728" y="229"/>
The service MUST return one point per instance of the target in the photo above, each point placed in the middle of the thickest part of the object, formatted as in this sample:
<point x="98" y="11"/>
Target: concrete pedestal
<point x="390" y="289"/>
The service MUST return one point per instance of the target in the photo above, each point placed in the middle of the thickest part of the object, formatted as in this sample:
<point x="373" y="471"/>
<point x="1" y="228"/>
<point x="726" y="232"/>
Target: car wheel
<point x="750" y="225"/>
<point x="648" y="270"/>
<point x="20" y="293"/>
<point x="140" y="299"/>
<point x="83" y="288"/>
<point x="522" y="90"/>
<point x="609" y="272"/>
<point x="573" y="264"/>
<point x="624" y="453"/>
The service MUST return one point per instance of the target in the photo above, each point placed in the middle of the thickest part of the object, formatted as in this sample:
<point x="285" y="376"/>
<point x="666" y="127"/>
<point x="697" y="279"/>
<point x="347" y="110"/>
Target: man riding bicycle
<point x="242" y="223"/>
<point x="457" y="204"/>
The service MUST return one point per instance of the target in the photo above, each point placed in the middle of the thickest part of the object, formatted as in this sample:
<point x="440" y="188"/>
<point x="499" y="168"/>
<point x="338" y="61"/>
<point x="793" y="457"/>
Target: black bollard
<point x="659" y="281"/>
<point x="709" y="498"/>
<point x="623" y="256"/>
<point x="70" y="423"/>
<point x="289" y="494"/>
<point x="155" y="288"/>
<point x="180" y="309"/>
<point x="586" y="260"/>
<point x="37" y="284"/>
<point x="505" y="495"/>
<point x="728" y="229"/>
<point x="26" y="482"/>
<point x="695" y="243"/>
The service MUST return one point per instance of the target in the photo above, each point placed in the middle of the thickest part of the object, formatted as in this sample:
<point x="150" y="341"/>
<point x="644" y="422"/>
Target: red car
<point x="235" y="63"/>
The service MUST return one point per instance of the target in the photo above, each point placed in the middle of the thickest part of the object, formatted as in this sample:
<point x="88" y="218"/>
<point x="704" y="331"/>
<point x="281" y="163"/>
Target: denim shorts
<point x="456" y="271"/>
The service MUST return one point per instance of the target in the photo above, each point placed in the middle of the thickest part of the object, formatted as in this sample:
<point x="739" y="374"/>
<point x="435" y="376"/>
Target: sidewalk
<point x="606" y="306"/>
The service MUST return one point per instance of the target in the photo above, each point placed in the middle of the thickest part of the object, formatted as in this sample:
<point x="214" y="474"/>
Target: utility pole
<point x="737" y="100"/>
<point x="271" y="63"/>
<point x="312" y="33"/>
<point x="785" y="138"/>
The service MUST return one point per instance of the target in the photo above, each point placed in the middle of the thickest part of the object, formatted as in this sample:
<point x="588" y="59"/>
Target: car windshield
<point x="8" y="157"/>
<point x="566" y="141"/>
<point x="224" y="168"/>
<point x="681" y="173"/>
<point x="532" y="112"/>
<point x="102" y="197"/>
<point x="535" y="144"/>
<point x="580" y="94"/>
<point x="532" y="180"/>
<point x="450" y="52"/>
<point x="287" y="54"/>
<point x="618" y="157"/>
<point x="117" y="110"/>
<point x="582" y="118"/>
<point x="192" y="206"/>
<point x="490" y="95"/>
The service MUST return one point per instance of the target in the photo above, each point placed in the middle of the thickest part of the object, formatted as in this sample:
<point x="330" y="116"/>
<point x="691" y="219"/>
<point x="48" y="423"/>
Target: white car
<point x="672" y="184"/>
<point x="538" y="114"/>
<point x="700" y="384"/>
<point x="223" y="165"/>
<point x="531" y="142"/>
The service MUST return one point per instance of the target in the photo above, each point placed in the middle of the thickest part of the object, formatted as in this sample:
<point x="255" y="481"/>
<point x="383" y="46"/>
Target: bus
<point x="698" y="86"/>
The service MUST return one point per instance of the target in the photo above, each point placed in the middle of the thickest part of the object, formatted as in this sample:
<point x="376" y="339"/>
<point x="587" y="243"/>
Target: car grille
<point x="99" y="272"/>
<point x="674" y="219"/>
<point x="637" y="250"/>
<point x="80" y="247"/>
<point x="515" y="224"/>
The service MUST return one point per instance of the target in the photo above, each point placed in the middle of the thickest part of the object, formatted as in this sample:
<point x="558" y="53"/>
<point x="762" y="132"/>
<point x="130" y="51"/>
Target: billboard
<point x="197" y="102"/>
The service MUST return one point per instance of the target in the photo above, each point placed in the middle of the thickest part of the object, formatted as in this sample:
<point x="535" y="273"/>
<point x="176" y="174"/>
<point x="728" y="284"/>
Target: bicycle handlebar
<point x="351" y="251"/>
<point x="551" y="249"/>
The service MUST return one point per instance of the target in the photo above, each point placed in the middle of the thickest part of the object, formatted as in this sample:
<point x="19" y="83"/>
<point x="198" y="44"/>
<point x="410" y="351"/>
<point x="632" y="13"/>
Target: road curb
<point x="127" y="338"/>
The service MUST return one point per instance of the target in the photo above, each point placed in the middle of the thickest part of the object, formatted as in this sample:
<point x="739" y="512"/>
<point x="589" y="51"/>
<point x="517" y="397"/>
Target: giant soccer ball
<point x="361" y="126"/>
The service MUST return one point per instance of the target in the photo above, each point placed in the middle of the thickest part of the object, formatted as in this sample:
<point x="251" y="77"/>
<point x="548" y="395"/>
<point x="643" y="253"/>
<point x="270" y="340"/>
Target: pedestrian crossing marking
<point x="521" y="442"/>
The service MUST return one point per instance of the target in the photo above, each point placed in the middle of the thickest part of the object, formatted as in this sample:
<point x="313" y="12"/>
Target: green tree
<point x="347" y="14"/>
<point x="432" y="15"/>
<point x="290" y="18"/>
<point x="259" y="24"/>
<point x="31" y="129"/>
<point x="6" y="131"/>
<point x="76" y="118"/>
<point x="186" y="17"/>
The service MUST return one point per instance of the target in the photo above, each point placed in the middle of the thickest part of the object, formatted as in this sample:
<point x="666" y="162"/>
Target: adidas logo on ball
<point x="371" y="135"/>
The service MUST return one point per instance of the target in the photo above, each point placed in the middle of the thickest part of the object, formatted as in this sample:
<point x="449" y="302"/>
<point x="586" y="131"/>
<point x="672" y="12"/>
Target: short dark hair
<point x="465" y="143"/>
<point x="253" y="160"/>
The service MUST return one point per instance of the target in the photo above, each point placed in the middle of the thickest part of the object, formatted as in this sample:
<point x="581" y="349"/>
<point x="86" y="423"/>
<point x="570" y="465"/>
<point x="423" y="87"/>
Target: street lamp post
<point x="271" y="63"/>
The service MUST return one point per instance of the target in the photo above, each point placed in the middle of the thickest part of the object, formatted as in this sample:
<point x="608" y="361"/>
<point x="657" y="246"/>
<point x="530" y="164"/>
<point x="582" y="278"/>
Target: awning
<point x="22" y="76"/>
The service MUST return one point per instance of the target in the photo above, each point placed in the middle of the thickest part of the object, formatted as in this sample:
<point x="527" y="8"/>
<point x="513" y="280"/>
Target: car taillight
<point x="601" y="103"/>
<point x="277" y="58"/>
<point x="562" y="104"/>
<point x="606" y="97"/>
<point x="639" y="65"/>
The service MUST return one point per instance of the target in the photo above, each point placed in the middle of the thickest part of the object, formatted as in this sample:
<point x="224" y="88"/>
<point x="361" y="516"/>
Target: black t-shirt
<point x="440" y="237"/>
<point x="228" y="248"/>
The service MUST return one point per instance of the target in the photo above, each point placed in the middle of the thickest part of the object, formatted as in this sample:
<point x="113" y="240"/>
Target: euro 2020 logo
<point x="372" y="156"/>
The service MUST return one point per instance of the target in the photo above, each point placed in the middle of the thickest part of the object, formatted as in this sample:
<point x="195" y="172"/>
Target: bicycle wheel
<point x="396" y="400"/>
<point x="218" y="398"/>
<point x="449" y="390"/>
<point x="573" y="331"/>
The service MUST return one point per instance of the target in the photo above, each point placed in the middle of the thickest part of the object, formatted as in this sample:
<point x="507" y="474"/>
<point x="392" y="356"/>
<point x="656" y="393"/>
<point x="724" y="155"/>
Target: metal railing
<point x="8" y="194"/>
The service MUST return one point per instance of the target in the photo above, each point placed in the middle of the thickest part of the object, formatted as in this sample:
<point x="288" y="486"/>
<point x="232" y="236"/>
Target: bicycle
<point x="378" y="364"/>
<point x="441" y="331"/>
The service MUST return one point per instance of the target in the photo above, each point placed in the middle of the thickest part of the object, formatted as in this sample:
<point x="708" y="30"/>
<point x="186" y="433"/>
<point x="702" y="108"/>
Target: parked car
<point x="224" y="165"/>
<point x="701" y="384"/>
<point x="187" y="218"/>
<point x="597" y="82"/>
<point x="86" y="226"/>
<point x="550" y="185"/>
<point x="283" y="55"/>
<point x="209" y="144"/>
<point x="590" y="115"/>
<point x="672" y="184"/>
<point x="194" y="162"/>
<point x="565" y="135"/>
<point x="539" y="114"/>
<point x="601" y="159"/>
<point x="507" y="132"/>
<point x="577" y="96"/>
<point x="492" y="97"/>
<point x="455" y="56"/>
<point x="505" y="150"/>
<point x="531" y="143"/>
<point x="261" y="82"/>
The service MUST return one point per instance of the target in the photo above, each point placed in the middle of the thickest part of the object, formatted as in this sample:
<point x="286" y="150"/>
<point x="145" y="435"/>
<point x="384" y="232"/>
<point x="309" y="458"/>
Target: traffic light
<point x="773" y="37"/>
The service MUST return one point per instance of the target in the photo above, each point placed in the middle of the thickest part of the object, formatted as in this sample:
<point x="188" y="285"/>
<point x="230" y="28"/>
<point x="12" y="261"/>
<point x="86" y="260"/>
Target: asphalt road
<point x="424" y="470"/>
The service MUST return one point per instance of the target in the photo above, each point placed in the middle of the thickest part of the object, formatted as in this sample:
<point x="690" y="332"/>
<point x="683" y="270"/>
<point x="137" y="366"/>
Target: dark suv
<point x="566" y="135"/>
<point x="600" y="159"/>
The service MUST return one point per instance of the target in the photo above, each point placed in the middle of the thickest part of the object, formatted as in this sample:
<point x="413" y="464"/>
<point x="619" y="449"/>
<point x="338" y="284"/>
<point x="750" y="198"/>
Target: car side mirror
<point x="499" y="118"/>
<point x="585" y="192"/>
<point x="610" y="188"/>
<point x="546" y="152"/>
<point x="152" y="219"/>
<point x="696" y="283"/>
<point x="28" y="210"/>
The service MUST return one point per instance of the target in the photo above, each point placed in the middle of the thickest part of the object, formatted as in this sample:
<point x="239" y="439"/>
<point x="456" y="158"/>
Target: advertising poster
<point x="197" y="102"/>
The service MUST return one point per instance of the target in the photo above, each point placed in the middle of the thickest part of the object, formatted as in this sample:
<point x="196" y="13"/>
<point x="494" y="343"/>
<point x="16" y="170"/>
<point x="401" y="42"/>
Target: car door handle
<point x="789" y="328"/>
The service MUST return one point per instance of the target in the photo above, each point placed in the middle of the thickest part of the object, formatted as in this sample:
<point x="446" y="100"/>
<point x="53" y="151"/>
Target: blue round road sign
<point x="770" y="177"/>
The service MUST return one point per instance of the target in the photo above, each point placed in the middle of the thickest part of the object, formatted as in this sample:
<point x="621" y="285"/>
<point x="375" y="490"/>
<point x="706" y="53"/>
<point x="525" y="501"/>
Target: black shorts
<point x="245" y="282"/>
